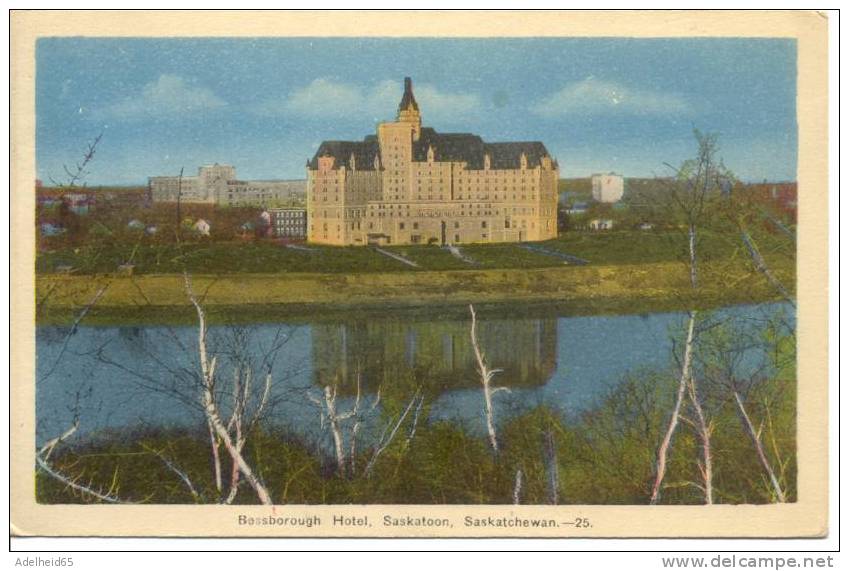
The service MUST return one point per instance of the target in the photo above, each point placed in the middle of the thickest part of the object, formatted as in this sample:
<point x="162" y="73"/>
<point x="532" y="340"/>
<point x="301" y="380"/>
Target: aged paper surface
<point x="806" y="516"/>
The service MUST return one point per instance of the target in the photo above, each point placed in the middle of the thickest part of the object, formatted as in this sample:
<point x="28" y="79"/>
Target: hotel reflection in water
<point x="437" y="355"/>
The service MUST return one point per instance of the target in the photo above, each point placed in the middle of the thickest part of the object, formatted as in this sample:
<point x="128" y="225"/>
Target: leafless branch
<point x="180" y="473"/>
<point x="486" y="375"/>
<point x="385" y="440"/>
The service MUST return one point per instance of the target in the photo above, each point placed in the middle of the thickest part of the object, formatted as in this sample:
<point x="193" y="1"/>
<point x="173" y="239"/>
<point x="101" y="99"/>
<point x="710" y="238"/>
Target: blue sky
<point x="264" y="105"/>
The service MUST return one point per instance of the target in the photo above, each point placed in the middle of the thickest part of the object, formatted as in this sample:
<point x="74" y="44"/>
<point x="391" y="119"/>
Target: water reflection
<point x="438" y="355"/>
<point x="130" y="376"/>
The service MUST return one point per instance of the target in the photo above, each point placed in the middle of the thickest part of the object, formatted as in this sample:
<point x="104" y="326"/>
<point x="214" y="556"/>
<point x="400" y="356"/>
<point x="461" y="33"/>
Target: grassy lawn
<point x="264" y="256"/>
<point x="628" y="247"/>
<point x="589" y="289"/>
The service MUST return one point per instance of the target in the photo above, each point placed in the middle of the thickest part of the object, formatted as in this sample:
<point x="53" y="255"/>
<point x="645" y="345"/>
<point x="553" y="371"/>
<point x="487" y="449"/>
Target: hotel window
<point x="483" y="224"/>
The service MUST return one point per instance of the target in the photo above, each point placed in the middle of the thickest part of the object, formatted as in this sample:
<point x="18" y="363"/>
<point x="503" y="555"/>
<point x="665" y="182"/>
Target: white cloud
<point x="326" y="98"/>
<point x="170" y="95"/>
<point x="444" y="104"/>
<point x="593" y="96"/>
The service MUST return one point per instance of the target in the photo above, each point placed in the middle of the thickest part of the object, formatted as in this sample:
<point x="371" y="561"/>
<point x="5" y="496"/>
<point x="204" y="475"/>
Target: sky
<point x="264" y="105"/>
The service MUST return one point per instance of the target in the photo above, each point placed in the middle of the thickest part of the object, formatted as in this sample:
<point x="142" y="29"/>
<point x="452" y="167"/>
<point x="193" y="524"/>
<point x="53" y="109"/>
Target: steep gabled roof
<point x="453" y="147"/>
<point x="364" y="153"/>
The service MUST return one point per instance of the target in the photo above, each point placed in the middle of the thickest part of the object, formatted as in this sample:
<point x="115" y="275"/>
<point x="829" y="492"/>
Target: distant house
<point x="780" y="196"/>
<point x="78" y="202"/>
<point x="646" y="226"/>
<point x="151" y="230"/>
<point x="135" y="224"/>
<point x="608" y="187"/>
<point x="263" y="225"/>
<point x="577" y="208"/>
<point x="51" y="229"/>
<point x="201" y="227"/>
<point x="601" y="224"/>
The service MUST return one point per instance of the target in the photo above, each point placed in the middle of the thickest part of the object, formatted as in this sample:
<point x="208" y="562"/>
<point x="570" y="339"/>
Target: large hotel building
<point x="412" y="185"/>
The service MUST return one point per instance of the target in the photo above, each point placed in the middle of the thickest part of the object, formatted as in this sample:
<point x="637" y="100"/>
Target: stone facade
<point x="217" y="184"/>
<point x="412" y="185"/>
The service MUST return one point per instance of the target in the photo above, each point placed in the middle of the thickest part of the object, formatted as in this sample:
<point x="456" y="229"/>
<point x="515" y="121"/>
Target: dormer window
<point x="486" y="162"/>
<point x="325" y="163"/>
<point x="430" y="154"/>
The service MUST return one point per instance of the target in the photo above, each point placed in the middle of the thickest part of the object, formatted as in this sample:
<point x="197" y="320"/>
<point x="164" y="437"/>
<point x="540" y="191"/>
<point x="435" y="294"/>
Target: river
<point x="146" y="376"/>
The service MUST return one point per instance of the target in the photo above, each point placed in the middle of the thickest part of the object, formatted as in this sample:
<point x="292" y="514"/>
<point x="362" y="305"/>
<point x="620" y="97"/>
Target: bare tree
<point x="486" y="375"/>
<point x="334" y="419"/>
<point x="77" y="174"/>
<point x="388" y="434"/>
<point x="687" y="199"/>
<point x="726" y="361"/>
<point x="755" y="436"/>
<point x="74" y="482"/>
<point x="761" y="266"/>
<point x="230" y="434"/>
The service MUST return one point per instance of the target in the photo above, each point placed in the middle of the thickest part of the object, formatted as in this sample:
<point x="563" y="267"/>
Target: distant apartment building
<point x="608" y="187"/>
<point x="289" y="222"/>
<point x="409" y="184"/>
<point x="217" y="184"/>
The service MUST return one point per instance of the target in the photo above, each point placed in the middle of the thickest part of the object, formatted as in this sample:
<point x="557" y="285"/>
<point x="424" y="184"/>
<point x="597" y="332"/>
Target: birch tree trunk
<point x="705" y="429"/>
<point x="663" y="450"/>
<point x="552" y="475"/>
<point x="691" y="235"/>
<point x="216" y="457"/>
<point x="759" y="449"/>
<point x="235" y="454"/>
<point x="486" y="375"/>
<point x="210" y="406"/>
<point x="335" y="430"/>
<point x="517" y="488"/>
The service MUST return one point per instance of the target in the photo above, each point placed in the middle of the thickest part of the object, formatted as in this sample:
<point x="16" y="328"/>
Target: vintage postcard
<point x="419" y="274"/>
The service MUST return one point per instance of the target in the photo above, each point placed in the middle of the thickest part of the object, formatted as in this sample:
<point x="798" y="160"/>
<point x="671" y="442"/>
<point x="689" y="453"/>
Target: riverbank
<point x="624" y="288"/>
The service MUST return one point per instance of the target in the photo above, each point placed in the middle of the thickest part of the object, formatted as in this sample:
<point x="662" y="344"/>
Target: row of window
<point x="474" y="210"/>
<point x="415" y="226"/>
